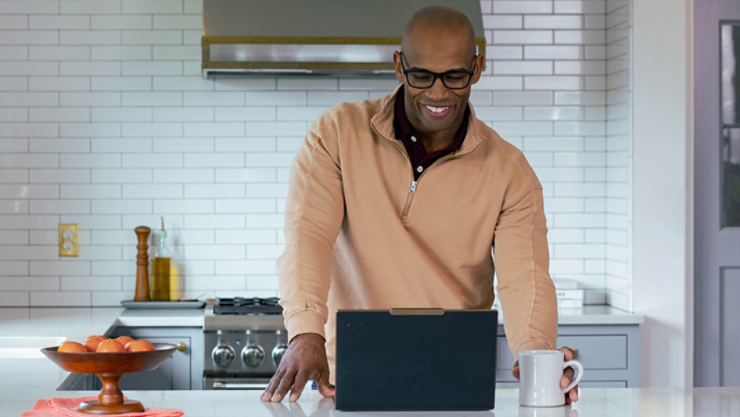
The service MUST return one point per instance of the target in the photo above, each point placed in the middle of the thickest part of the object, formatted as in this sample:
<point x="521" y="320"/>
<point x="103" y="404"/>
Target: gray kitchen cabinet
<point x="609" y="354"/>
<point x="172" y="374"/>
<point x="181" y="371"/>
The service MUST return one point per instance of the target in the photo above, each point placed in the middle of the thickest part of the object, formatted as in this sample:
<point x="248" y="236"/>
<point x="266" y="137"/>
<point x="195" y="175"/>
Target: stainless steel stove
<point x="244" y="342"/>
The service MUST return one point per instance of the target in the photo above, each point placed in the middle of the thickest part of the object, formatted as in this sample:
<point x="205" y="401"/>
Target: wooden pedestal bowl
<point x="110" y="367"/>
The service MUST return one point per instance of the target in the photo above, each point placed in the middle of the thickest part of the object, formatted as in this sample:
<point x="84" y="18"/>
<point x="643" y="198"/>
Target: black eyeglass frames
<point x="453" y="79"/>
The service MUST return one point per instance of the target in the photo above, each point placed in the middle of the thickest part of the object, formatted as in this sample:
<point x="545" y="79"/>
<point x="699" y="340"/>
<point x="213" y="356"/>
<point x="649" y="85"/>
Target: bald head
<point x="439" y="22"/>
<point x="437" y="40"/>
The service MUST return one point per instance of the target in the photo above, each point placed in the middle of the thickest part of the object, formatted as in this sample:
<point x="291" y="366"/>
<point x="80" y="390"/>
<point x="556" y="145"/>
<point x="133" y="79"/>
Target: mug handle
<point x="579" y="374"/>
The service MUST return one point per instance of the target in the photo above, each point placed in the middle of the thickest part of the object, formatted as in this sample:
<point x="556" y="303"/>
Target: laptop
<point x="416" y="359"/>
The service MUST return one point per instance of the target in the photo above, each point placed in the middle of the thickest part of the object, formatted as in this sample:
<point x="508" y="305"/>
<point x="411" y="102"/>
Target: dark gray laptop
<point x="416" y="359"/>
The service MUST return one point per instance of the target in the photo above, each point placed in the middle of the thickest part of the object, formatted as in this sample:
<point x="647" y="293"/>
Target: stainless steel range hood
<point x="338" y="37"/>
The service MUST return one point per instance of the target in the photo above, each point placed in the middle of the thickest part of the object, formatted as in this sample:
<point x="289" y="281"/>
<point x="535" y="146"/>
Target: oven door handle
<point x="236" y="385"/>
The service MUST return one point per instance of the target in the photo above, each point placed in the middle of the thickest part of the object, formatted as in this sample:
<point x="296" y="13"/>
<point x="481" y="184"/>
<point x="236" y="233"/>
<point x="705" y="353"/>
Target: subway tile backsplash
<point x="106" y="122"/>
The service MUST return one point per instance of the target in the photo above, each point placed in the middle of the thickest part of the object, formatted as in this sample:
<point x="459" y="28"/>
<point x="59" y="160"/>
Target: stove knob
<point x="253" y="355"/>
<point x="223" y="355"/>
<point x="278" y="352"/>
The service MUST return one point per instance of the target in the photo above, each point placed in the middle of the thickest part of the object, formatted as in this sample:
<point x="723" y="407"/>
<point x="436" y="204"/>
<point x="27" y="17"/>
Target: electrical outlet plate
<point x="68" y="240"/>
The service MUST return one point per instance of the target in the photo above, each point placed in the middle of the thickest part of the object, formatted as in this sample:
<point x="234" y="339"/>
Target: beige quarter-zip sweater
<point x="360" y="233"/>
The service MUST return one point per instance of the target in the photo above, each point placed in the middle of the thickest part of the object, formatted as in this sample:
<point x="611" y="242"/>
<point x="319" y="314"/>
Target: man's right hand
<point x="305" y="359"/>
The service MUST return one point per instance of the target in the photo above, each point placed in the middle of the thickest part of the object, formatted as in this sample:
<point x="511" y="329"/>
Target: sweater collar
<point x="382" y="122"/>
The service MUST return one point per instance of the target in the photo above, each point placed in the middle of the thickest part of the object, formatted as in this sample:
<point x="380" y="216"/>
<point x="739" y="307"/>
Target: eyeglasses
<point x="453" y="79"/>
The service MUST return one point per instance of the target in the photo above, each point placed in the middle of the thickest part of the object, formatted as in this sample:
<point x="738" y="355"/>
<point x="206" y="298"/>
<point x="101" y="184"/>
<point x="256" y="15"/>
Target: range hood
<point x="337" y="37"/>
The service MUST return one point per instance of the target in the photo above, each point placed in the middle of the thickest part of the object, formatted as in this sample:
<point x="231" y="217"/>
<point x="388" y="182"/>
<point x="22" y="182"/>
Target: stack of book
<point x="569" y="296"/>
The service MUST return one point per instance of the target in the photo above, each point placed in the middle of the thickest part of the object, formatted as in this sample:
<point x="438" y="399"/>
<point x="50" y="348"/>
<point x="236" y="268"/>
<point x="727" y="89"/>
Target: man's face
<point x="438" y="53"/>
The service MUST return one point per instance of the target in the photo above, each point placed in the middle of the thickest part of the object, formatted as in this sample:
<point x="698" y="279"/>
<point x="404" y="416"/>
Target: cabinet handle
<point x="182" y="346"/>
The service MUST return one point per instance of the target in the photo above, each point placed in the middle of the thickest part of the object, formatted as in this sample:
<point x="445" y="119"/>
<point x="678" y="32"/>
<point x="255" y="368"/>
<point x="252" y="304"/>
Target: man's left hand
<point x="568" y="376"/>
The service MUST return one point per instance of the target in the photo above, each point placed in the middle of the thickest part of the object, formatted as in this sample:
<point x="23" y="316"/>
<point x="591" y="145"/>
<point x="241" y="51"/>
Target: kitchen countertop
<point x="594" y="402"/>
<point x="596" y="315"/>
<point x="161" y="318"/>
<point x="78" y="322"/>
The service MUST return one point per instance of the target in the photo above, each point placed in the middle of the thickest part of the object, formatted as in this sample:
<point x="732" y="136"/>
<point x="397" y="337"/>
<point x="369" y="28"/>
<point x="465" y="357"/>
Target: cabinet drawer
<point x="172" y="374"/>
<point x="594" y="352"/>
<point x="598" y="352"/>
<point x="504" y="359"/>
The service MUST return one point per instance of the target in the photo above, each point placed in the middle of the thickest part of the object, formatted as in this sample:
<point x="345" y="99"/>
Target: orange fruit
<point x="139" y="346"/>
<point x="110" y="345"/>
<point x="92" y="342"/>
<point x="72" y="347"/>
<point x="123" y="340"/>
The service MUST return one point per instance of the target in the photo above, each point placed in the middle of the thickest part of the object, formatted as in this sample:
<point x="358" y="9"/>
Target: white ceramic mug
<point x="540" y="372"/>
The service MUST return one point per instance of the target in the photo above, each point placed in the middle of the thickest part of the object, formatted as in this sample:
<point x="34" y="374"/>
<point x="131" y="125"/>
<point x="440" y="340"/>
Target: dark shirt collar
<point x="418" y="156"/>
<point x="403" y="126"/>
<point x="404" y="129"/>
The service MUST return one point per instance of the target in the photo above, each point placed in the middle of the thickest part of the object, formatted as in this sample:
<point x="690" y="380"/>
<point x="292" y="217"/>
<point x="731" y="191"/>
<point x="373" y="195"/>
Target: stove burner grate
<point x="245" y="306"/>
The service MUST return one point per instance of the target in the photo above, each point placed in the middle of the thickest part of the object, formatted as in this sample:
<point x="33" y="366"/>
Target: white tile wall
<point x="106" y="122"/>
<point x="618" y="154"/>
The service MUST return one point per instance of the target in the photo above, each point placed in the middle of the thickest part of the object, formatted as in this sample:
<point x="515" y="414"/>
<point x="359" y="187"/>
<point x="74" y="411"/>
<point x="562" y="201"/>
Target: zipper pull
<point x="412" y="190"/>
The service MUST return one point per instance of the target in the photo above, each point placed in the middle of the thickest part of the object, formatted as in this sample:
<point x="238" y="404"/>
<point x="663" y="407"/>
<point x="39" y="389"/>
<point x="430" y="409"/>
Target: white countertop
<point x="595" y="315"/>
<point x="594" y="402"/>
<point x="161" y="318"/>
<point x="80" y="322"/>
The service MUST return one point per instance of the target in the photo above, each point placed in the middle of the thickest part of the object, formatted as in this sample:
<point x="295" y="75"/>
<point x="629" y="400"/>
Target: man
<point x="397" y="202"/>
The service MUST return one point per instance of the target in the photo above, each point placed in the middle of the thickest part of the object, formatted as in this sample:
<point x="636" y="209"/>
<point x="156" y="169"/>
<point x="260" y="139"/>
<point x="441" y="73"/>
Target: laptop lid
<point x="416" y="359"/>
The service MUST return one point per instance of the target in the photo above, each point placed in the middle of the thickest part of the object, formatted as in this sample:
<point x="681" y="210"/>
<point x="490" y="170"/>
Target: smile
<point x="437" y="111"/>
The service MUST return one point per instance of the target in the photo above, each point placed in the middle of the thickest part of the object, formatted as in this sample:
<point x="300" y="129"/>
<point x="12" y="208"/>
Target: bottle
<point x="161" y="281"/>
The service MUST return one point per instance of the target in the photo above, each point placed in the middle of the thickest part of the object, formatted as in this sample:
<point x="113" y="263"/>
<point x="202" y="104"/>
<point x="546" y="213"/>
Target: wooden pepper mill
<point x="142" y="264"/>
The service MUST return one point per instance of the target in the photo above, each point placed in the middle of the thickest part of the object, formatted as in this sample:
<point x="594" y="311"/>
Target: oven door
<point x="216" y="383"/>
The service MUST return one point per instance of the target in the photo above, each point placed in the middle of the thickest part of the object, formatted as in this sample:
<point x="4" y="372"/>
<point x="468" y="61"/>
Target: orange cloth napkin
<point x="67" y="407"/>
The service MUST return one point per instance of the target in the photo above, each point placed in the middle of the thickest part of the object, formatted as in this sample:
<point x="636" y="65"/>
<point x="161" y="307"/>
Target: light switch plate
<point x="68" y="240"/>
